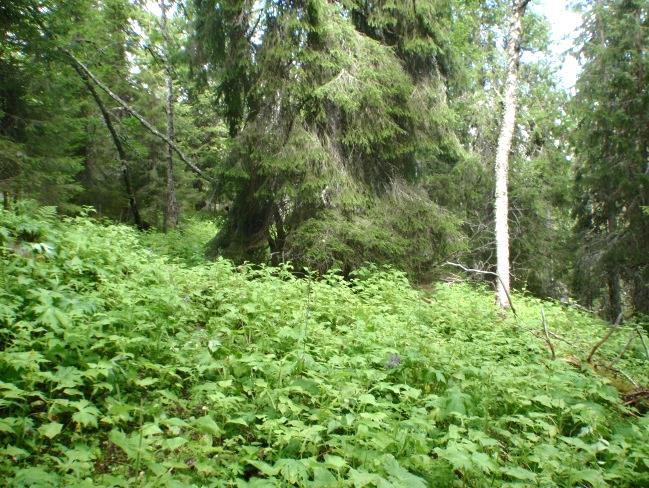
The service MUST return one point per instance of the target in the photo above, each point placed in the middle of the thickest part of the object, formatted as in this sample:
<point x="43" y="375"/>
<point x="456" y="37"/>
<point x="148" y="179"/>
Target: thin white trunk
<point x="504" y="147"/>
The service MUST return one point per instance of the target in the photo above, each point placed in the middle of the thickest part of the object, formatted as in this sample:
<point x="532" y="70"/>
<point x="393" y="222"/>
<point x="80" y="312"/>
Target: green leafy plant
<point x="121" y="366"/>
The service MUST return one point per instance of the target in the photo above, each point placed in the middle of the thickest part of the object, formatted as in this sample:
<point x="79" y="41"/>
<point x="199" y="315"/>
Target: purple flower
<point x="393" y="361"/>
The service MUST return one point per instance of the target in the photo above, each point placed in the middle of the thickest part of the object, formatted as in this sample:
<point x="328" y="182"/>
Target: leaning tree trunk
<point x="171" y="213"/>
<point x="121" y="153"/>
<point x="504" y="147"/>
<point x="145" y="123"/>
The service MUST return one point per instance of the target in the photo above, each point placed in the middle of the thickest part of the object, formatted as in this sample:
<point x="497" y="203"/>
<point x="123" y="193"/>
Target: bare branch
<point x="523" y="4"/>
<point x="644" y="344"/>
<point x="121" y="153"/>
<point x="608" y="335"/>
<point x="135" y="114"/>
<point x="625" y="348"/>
<point x="547" y="335"/>
<point x="622" y="373"/>
<point x="490" y="273"/>
<point x="562" y="339"/>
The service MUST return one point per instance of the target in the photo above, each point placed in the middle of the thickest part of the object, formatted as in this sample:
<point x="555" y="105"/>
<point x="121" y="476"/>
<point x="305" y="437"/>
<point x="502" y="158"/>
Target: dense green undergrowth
<point x="122" y="367"/>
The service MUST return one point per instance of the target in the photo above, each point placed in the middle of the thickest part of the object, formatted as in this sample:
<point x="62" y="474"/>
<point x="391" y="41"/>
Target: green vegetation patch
<point x="122" y="367"/>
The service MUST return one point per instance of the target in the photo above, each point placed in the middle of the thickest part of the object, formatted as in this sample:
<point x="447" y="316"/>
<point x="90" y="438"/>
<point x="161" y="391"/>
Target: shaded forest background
<point x="335" y="133"/>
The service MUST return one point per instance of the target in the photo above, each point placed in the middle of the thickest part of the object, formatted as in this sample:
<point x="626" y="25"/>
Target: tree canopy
<point x="330" y="134"/>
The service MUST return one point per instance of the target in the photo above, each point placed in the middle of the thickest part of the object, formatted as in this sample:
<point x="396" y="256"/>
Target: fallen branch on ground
<point x="608" y="335"/>
<point x="644" y="344"/>
<point x="632" y="336"/>
<point x="547" y="335"/>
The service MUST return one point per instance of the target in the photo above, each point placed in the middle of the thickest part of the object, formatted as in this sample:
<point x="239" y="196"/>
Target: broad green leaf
<point x="50" y="430"/>
<point x="207" y="425"/>
<point x="292" y="470"/>
<point x="6" y="425"/>
<point x="335" y="461"/>
<point x="148" y="381"/>
<point x="36" y="477"/>
<point x="322" y="478"/>
<point x="14" y="452"/>
<point x="265" y="468"/>
<point x="362" y="478"/>
<point x="519" y="473"/>
<point x="174" y="443"/>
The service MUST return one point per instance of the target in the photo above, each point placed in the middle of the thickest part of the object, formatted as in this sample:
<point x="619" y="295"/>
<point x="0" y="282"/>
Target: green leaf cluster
<point x="121" y="366"/>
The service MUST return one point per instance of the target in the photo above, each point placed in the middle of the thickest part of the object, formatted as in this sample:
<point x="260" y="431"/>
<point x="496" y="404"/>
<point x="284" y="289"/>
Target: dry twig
<point x="547" y="335"/>
<point x="608" y="335"/>
<point x="490" y="273"/>
<point x="625" y="348"/>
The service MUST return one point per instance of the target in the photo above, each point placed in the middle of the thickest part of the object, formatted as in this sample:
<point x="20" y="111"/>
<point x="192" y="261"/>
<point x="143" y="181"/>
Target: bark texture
<point x="171" y="212"/>
<point x="504" y="147"/>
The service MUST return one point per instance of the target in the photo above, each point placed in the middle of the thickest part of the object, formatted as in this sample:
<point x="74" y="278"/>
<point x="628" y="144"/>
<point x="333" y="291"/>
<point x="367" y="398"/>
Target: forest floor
<point x="127" y="360"/>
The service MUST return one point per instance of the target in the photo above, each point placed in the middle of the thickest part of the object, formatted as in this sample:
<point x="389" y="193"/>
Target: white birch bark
<point x="504" y="147"/>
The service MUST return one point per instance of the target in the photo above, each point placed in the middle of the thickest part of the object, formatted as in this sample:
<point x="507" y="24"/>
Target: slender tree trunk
<point x="277" y="244"/>
<point x="613" y="278"/>
<point x="504" y="147"/>
<point x="121" y="153"/>
<point x="171" y="212"/>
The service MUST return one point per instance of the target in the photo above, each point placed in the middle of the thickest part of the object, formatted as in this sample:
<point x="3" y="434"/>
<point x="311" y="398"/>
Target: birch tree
<point x="504" y="147"/>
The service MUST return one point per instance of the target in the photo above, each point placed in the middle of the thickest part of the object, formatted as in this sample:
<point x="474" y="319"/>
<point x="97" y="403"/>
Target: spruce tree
<point x="333" y="111"/>
<point x="612" y="152"/>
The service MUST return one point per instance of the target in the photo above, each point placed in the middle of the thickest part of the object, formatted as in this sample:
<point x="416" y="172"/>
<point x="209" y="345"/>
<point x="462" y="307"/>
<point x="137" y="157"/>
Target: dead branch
<point x="644" y="344"/>
<point x="608" y="335"/>
<point x="632" y="336"/>
<point x="622" y="373"/>
<point x="490" y="273"/>
<point x="121" y="153"/>
<point x="137" y="115"/>
<point x="547" y="335"/>
<point x="559" y="338"/>
<point x="636" y="396"/>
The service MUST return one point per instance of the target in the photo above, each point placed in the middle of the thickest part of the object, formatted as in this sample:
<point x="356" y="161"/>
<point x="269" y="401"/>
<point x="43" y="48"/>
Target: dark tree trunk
<point x="171" y="212"/>
<point x="277" y="244"/>
<point x="245" y="235"/>
<point x="640" y="291"/>
<point x="613" y="279"/>
<point x="121" y="153"/>
<point x="614" y="294"/>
